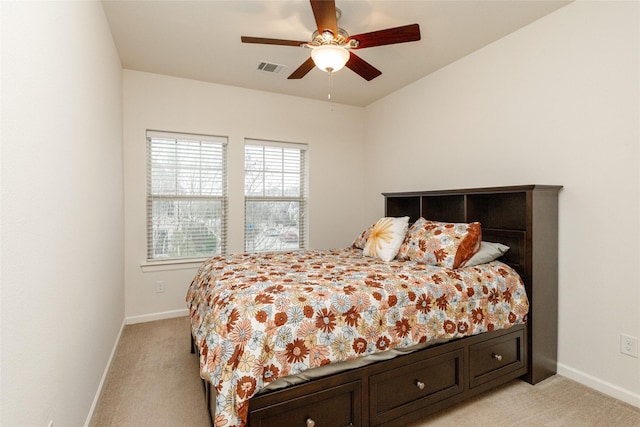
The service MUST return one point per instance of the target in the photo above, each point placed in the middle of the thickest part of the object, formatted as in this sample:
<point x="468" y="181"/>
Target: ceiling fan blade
<point x="325" y="13"/>
<point x="406" y="33"/>
<point x="362" y="67"/>
<point x="302" y="70"/>
<point x="262" y="40"/>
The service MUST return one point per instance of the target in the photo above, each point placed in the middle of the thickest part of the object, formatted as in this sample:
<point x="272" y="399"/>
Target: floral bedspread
<point x="259" y="317"/>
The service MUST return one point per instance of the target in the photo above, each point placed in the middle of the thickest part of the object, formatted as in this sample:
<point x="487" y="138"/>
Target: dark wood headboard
<point x="525" y="218"/>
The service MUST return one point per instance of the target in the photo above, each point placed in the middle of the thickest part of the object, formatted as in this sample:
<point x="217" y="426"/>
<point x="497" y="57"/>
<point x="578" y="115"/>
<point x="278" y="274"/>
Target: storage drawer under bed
<point x="496" y="357"/>
<point x="414" y="386"/>
<point x="336" y="406"/>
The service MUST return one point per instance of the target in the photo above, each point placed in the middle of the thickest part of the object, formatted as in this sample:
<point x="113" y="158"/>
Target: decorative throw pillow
<point x="489" y="251"/>
<point x="361" y="240"/>
<point x="442" y="244"/>
<point x="386" y="237"/>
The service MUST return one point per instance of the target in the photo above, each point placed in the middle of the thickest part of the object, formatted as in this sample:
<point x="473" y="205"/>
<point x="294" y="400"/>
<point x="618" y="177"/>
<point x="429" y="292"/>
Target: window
<point x="186" y="195"/>
<point x="275" y="190"/>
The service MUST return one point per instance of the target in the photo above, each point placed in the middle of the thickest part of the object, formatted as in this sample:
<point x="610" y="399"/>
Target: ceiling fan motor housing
<point x="328" y="37"/>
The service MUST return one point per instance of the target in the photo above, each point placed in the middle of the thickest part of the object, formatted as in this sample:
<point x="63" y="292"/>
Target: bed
<point x="413" y="317"/>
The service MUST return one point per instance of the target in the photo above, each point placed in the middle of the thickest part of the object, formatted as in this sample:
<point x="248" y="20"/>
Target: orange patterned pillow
<point x="442" y="244"/>
<point x="361" y="240"/>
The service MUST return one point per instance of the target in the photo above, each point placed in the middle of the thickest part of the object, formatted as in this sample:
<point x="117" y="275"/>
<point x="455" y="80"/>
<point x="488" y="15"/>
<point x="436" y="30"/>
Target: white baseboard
<point x="104" y="377"/>
<point x="605" y="387"/>
<point x="156" y="316"/>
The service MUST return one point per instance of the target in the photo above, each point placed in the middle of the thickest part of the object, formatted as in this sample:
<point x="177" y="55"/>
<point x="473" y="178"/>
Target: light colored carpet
<point x="153" y="381"/>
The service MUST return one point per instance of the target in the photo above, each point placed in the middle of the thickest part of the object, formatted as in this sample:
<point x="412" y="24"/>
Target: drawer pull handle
<point x="310" y="422"/>
<point x="420" y="385"/>
<point x="496" y="356"/>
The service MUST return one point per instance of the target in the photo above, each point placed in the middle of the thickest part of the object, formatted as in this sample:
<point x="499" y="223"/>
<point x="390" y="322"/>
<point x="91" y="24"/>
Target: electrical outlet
<point x="160" y="286"/>
<point x="629" y="345"/>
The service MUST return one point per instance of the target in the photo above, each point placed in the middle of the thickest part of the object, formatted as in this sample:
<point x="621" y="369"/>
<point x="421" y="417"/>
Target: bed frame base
<point x="397" y="391"/>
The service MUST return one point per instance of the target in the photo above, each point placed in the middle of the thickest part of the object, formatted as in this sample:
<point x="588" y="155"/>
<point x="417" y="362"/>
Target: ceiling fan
<point x="332" y="46"/>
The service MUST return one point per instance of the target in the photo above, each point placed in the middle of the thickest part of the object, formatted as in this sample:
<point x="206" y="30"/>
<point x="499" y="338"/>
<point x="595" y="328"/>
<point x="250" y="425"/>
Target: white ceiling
<point x="201" y="40"/>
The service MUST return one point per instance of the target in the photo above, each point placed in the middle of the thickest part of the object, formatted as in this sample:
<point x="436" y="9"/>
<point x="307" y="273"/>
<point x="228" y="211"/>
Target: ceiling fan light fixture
<point x="330" y="57"/>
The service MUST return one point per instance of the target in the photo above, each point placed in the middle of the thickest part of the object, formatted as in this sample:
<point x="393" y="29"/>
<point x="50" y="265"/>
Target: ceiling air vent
<point x="270" y="67"/>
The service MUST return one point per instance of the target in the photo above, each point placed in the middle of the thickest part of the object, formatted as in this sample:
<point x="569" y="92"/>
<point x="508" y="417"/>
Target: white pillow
<point x="488" y="252"/>
<point x="386" y="237"/>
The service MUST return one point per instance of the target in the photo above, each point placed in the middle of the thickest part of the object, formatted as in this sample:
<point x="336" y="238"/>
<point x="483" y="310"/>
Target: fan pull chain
<point x="330" y="71"/>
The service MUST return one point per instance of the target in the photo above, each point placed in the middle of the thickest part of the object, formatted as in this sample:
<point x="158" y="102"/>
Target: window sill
<point x="176" y="264"/>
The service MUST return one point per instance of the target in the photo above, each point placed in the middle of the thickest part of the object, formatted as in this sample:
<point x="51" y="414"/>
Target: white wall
<point x="62" y="202"/>
<point x="336" y="181"/>
<point x="554" y="103"/>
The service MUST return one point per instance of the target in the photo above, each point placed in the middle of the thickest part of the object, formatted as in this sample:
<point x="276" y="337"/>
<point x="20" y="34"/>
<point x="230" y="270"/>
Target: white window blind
<point x="275" y="190"/>
<point x="186" y="195"/>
